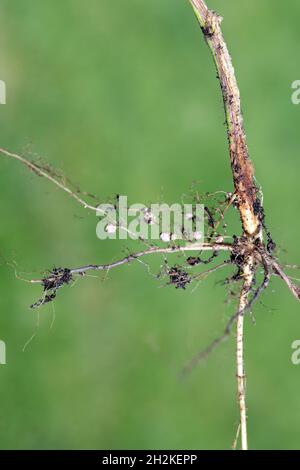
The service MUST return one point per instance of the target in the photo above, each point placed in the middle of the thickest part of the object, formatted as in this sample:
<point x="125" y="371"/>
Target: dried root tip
<point x="44" y="300"/>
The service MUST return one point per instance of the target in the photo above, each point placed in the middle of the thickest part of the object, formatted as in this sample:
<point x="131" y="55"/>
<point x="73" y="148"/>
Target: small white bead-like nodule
<point x="165" y="237"/>
<point x="149" y="217"/>
<point x="111" y="228"/>
<point x="198" y="235"/>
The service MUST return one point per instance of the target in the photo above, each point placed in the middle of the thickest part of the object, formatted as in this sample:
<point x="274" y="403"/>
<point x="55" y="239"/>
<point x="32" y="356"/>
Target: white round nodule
<point x="111" y="228"/>
<point x="149" y="217"/>
<point x="197" y="236"/>
<point x="165" y="236"/>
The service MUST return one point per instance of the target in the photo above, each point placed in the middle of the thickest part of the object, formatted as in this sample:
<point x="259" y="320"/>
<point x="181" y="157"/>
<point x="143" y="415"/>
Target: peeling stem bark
<point x="241" y="165"/>
<point x="242" y="172"/>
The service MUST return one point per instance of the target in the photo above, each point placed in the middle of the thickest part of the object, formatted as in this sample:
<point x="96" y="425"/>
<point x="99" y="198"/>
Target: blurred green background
<point x="122" y="96"/>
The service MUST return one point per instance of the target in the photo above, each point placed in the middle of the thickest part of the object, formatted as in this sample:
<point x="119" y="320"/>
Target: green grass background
<point x="122" y="96"/>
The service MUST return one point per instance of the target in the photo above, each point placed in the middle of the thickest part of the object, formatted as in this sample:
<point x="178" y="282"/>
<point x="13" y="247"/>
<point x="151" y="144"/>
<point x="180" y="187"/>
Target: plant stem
<point x="243" y="177"/>
<point x="241" y="165"/>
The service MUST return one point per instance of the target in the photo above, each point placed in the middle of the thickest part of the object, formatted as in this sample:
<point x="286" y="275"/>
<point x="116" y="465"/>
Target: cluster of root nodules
<point x="190" y="270"/>
<point x="179" y="277"/>
<point x="57" y="278"/>
<point x="216" y="206"/>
